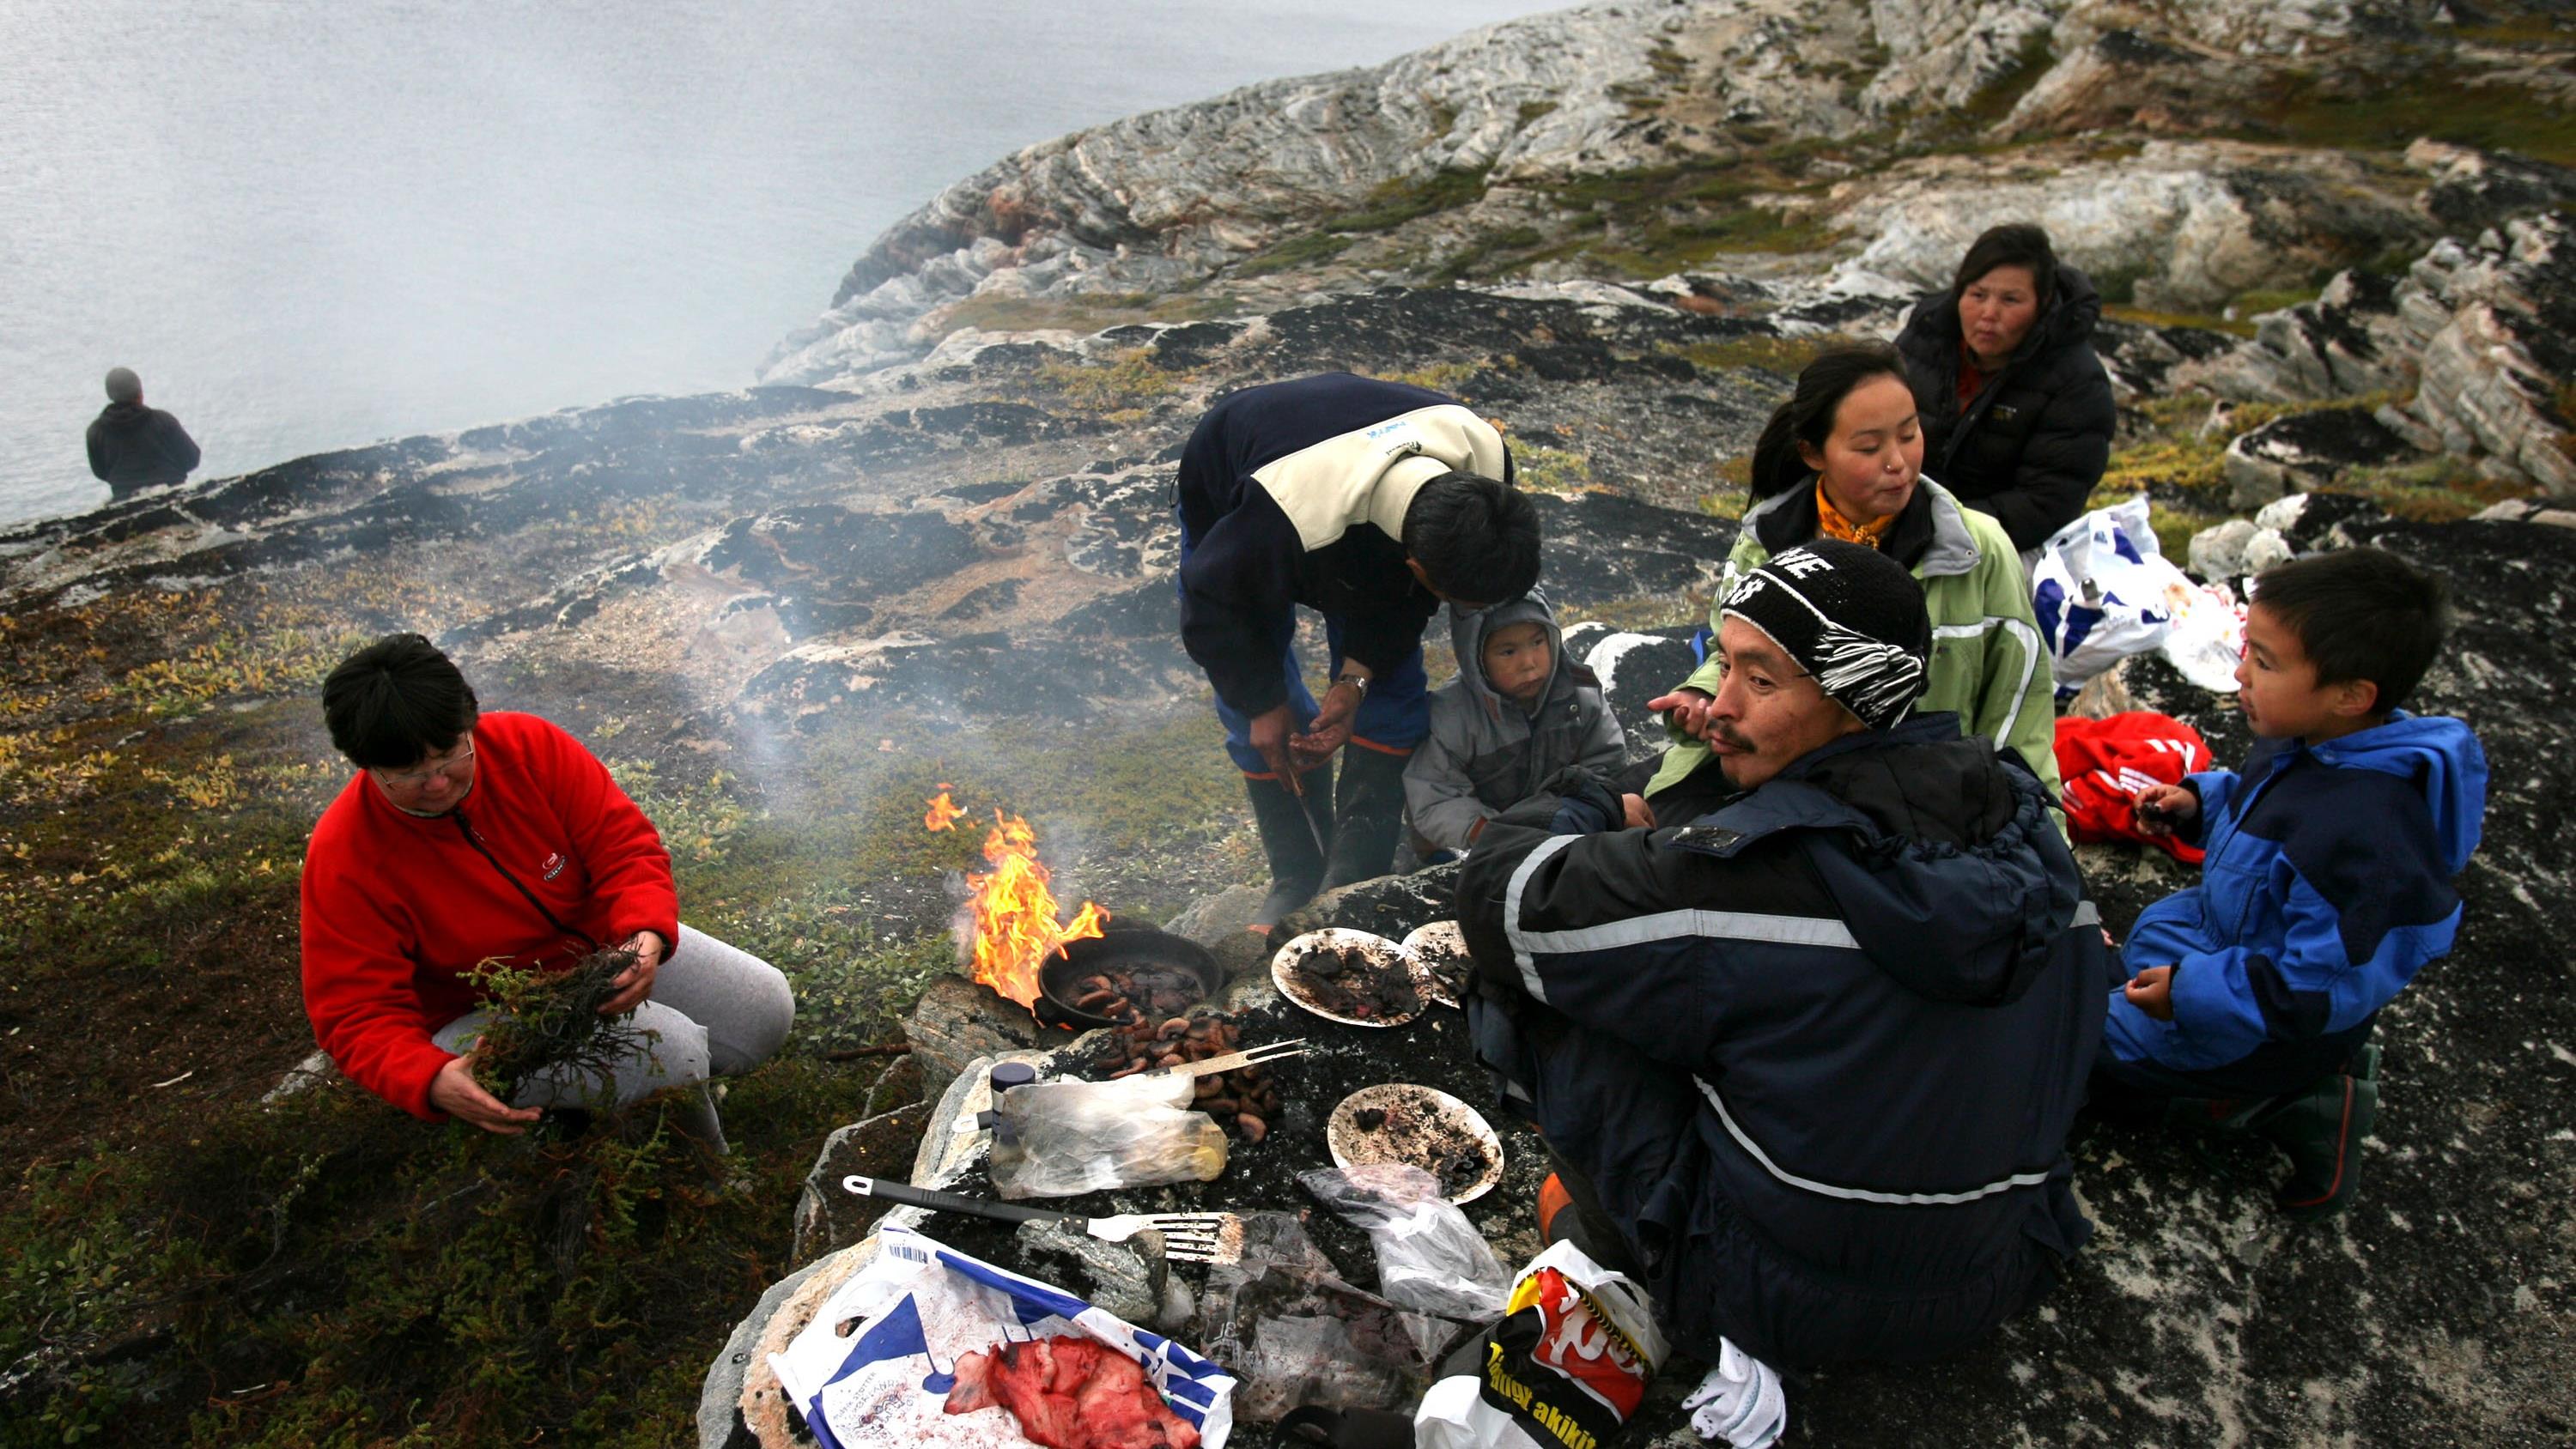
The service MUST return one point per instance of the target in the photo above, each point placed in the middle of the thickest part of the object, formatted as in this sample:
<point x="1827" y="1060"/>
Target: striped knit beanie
<point x="1850" y="616"/>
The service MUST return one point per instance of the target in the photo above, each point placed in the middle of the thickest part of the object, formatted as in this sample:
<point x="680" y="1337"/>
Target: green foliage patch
<point x="324" y="1271"/>
<point x="2442" y="99"/>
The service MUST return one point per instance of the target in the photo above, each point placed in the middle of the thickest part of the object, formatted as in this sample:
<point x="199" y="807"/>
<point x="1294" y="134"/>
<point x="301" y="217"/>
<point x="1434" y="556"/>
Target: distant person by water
<point x="133" y="447"/>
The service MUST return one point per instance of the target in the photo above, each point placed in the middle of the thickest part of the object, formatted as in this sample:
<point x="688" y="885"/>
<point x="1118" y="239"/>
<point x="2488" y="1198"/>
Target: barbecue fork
<point x="1187" y="1237"/>
<point x="1277" y="1051"/>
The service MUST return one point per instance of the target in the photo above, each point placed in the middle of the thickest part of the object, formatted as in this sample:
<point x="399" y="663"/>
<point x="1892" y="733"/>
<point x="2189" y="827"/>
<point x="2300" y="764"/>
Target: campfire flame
<point x="944" y="813"/>
<point x="1015" y="912"/>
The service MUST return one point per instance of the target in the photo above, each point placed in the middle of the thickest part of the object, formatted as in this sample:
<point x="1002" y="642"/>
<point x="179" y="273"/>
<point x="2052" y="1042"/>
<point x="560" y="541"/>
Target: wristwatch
<point x="1355" y="681"/>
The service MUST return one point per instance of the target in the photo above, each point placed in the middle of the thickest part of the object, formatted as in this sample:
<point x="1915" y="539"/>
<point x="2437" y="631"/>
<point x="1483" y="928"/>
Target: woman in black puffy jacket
<point x="2016" y="409"/>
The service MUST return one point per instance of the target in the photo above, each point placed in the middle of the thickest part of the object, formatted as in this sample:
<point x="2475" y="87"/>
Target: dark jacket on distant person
<point x="132" y="447"/>
<point x="2032" y="443"/>
<point x="1295" y="493"/>
<point x="1817" y="1053"/>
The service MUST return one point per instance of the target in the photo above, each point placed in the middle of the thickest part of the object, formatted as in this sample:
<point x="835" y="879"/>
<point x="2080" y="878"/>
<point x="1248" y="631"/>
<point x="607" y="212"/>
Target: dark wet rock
<point x="2473" y="189"/>
<point x="974" y="493"/>
<point x="1111" y="1276"/>
<point x="2310" y="521"/>
<point x="1602" y="547"/>
<point x="2304" y="451"/>
<point x="1390" y="906"/>
<point x="1148" y="612"/>
<point x="1634" y="667"/>
<point x="2141" y="358"/>
<point x="828" y="1218"/>
<point x="979" y="677"/>
<point x="2523" y="510"/>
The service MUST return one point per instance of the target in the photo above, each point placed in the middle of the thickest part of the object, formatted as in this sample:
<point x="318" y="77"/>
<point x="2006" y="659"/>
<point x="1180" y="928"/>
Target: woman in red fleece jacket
<point x="467" y="837"/>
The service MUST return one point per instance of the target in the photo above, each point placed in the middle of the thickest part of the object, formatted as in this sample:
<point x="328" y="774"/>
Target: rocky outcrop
<point x="2476" y="339"/>
<point x="1156" y="203"/>
<point x="1546" y="148"/>
<point x="2180" y="226"/>
<point x="1531" y="144"/>
<point x="1944" y="53"/>
<point x="923" y="548"/>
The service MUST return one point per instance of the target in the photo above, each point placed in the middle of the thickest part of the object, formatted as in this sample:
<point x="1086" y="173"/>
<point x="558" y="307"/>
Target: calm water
<point x="309" y="225"/>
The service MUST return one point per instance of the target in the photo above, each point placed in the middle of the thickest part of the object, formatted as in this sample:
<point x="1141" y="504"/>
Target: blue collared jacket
<point x="2326" y="887"/>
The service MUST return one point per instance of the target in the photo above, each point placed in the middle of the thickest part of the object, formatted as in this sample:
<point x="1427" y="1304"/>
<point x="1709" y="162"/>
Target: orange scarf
<point x="1834" y="525"/>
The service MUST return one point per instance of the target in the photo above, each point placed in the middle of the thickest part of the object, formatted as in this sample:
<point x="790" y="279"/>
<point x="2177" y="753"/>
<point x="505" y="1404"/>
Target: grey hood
<point x="1467" y="636"/>
<point x="1484" y="753"/>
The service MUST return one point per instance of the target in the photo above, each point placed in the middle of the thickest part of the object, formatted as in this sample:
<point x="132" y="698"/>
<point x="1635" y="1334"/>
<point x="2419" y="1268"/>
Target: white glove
<point x="1740" y="1401"/>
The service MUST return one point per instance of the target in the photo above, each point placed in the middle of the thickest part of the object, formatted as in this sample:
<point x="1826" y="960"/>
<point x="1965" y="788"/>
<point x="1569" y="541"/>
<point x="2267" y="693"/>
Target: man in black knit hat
<point x="1806" y="1063"/>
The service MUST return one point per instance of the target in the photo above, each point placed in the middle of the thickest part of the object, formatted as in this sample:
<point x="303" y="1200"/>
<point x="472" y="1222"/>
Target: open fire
<point x="1015" y="912"/>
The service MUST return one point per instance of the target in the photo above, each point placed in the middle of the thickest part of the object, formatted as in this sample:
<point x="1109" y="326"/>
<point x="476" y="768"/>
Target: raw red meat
<point x="1070" y="1393"/>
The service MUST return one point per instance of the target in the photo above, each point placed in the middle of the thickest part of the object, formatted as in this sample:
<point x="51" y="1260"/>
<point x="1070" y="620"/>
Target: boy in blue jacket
<point x="2248" y="999"/>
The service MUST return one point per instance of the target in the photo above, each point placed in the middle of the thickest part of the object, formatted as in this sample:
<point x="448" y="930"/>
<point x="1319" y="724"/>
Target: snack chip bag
<point x="1564" y="1369"/>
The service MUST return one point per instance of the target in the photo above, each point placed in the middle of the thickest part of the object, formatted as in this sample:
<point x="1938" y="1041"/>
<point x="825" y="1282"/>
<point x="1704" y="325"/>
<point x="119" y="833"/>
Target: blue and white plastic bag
<point x="2103" y="592"/>
<point x="917" y="1308"/>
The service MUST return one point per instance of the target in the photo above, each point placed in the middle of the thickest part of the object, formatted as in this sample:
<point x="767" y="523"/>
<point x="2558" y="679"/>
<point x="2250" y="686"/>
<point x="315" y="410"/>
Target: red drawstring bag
<point x="2108" y="763"/>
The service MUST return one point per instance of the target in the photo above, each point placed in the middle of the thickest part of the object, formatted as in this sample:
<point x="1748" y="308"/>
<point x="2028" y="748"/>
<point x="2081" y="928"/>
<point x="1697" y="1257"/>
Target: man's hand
<point x="636" y="982"/>
<point x="1640" y="815"/>
<point x="1331" y="729"/>
<point x="1685" y="709"/>
<point x="2166" y="809"/>
<point x="1269" y="734"/>
<point x="2151" y="991"/>
<point x="455" y="1092"/>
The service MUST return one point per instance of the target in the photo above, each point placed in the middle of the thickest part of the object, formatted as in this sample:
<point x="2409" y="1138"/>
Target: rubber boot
<point x="2321" y="1129"/>
<point x="1294" y="834"/>
<point x="1368" y="815"/>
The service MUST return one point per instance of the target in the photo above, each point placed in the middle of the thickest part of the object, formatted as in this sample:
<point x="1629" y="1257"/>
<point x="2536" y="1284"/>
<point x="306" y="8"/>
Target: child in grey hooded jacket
<point x="1517" y="713"/>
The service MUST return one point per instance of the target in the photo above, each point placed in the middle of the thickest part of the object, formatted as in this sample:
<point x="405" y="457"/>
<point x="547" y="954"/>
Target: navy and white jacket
<point x="2326" y="887"/>
<point x="1295" y="493"/>
<point x="1880" y="969"/>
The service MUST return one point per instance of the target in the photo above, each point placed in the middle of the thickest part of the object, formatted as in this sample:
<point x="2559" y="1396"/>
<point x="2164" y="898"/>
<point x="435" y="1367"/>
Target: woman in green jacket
<point x="1843" y="458"/>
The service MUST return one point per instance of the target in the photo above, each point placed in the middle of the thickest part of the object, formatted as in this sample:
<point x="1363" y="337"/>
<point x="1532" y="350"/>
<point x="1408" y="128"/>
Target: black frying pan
<point x="1120" y="948"/>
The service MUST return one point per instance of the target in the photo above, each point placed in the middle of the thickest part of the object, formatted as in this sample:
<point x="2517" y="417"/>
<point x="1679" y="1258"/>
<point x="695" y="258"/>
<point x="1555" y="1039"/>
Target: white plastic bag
<point x="1063" y="1139"/>
<point x="2208" y="636"/>
<point x="2102" y="592"/>
<point x="876" y="1365"/>
<point x="1428" y="1255"/>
